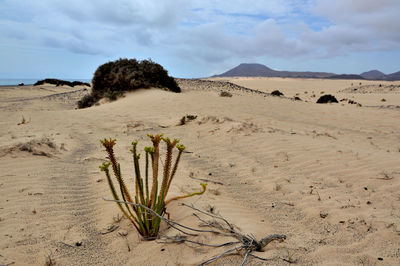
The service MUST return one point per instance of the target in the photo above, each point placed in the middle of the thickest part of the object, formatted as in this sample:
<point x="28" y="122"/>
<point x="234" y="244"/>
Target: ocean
<point x="13" y="82"/>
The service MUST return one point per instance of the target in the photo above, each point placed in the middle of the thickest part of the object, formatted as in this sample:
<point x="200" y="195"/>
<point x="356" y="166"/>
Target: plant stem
<point x="156" y="156"/>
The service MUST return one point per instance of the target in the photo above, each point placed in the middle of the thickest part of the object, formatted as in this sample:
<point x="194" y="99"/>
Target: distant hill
<point x="346" y="76"/>
<point x="259" y="70"/>
<point x="250" y="70"/>
<point x="373" y="74"/>
<point x="393" y="76"/>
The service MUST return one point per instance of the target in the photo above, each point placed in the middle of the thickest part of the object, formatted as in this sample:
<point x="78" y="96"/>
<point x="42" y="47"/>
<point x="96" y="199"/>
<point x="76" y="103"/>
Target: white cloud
<point x="364" y="24"/>
<point x="204" y="31"/>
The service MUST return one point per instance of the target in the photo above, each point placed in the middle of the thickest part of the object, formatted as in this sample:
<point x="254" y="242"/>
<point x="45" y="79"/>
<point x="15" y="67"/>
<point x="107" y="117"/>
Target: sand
<point x="325" y="175"/>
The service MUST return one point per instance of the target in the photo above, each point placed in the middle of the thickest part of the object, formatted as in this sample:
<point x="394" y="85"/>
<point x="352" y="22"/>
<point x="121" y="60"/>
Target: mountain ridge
<point x="260" y="70"/>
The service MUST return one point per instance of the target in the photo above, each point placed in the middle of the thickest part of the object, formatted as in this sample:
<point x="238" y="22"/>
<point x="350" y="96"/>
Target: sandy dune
<point x="325" y="175"/>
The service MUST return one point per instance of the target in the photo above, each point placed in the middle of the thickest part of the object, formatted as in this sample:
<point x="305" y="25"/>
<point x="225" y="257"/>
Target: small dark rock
<point x="327" y="98"/>
<point x="78" y="244"/>
<point x="297" y="98"/>
<point x="365" y="188"/>
<point x="276" y="93"/>
<point x="380" y="258"/>
<point x="21" y="84"/>
<point x="369" y="203"/>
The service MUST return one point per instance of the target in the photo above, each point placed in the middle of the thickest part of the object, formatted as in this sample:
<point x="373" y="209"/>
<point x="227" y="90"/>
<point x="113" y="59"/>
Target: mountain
<point x="393" y="76"/>
<point x="250" y="70"/>
<point x="259" y="70"/>
<point x="374" y="75"/>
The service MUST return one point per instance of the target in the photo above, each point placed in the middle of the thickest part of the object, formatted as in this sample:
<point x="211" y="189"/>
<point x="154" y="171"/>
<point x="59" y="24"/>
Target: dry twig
<point x="207" y="180"/>
<point x="110" y="229"/>
<point x="221" y="226"/>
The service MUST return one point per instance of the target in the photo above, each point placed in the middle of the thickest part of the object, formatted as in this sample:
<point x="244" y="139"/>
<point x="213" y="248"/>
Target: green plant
<point x="187" y="118"/>
<point x="113" y="95"/>
<point x="146" y="223"/>
<point x="59" y="82"/>
<point x="87" y="101"/>
<point x="112" y="79"/>
<point x="130" y="74"/>
<point x="225" y="94"/>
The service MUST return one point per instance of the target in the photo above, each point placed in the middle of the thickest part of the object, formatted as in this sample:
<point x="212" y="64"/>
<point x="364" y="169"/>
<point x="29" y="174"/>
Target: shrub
<point x="113" y="95"/>
<point x="187" y="118"/>
<point x="59" y="82"/>
<point x="80" y="83"/>
<point x="112" y="79"/>
<point x="225" y="94"/>
<point x="276" y="93"/>
<point x="87" y="101"/>
<point x="130" y="74"/>
<point x="327" y="98"/>
<point x="145" y="222"/>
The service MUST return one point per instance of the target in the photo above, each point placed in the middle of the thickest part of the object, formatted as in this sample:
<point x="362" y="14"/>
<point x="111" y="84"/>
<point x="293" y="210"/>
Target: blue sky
<point x="197" y="38"/>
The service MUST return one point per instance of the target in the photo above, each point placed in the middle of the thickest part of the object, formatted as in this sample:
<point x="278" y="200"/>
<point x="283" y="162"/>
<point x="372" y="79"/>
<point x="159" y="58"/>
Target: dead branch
<point x="245" y="257"/>
<point x="220" y="255"/>
<point x="110" y="229"/>
<point x="6" y="264"/>
<point x="261" y="258"/>
<point x="179" y="239"/>
<point x="209" y="214"/>
<point x="214" y="224"/>
<point x="386" y="176"/>
<point x="248" y="243"/>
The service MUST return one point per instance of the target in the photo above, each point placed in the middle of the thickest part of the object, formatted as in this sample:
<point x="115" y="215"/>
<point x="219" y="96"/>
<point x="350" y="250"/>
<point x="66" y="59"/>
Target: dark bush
<point x="112" y="79"/>
<point x="113" y="95"/>
<point x="276" y="93"/>
<point x="129" y="74"/>
<point x="79" y="83"/>
<point x="187" y="118"/>
<point x="87" y="101"/>
<point x="327" y="98"/>
<point x="225" y="94"/>
<point x="59" y="82"/>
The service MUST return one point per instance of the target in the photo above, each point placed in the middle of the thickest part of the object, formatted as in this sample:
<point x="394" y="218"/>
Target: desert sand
<point x="325" y="175"/>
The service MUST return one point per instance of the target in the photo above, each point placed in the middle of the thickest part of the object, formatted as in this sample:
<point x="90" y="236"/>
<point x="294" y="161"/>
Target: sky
<point x="197" y="38"/>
